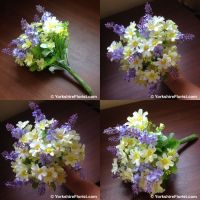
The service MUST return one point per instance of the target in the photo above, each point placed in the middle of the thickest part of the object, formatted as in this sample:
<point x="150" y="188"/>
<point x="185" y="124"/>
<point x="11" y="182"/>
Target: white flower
<point x="51" y="175"/>
<point x="114" y="46"/>
<point x="38" y="172"/>
<point x="50" y="25"/>
<point x="36" y="147"/>
<point x="130" y="31"/>
<point x="138" y="120"/>
<point x="164" y="62"/>
<point x="22" y="125"/>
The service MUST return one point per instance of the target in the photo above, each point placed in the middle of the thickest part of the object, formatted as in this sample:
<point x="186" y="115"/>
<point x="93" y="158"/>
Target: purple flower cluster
<point x="15" y="132"/>
<point x="118" y="29"/>
<point x="154" y="175"/>
<point x="158" y="51"/>
<point x="41" y="188"/>
<point x="185" y="37"/>
<point x="45" y="159"/>
<point x="118" y="132"/>
<point x="130" y="74"/>
<point x="10" y="156"/>
<point x="116" y="55"/>
<point x="37" y="113"/>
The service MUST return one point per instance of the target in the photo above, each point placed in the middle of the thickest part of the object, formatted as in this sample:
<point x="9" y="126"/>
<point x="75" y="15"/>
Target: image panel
<point x="149" y="50"/>
<point x="53" y="53"/>
<point x="49" y="150"/>
<point x="150" y="150"/>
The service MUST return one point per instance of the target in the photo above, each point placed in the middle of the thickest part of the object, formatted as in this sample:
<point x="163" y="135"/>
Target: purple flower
<point x="158" y="51"/>
<point x="109" y="25"/>
<point x="36" y="18"/>
<point x="24" y="24"/>
<point x="72" y="120"/>
<point x="109" y="131"/>
<point x="77" y="167"/>
<point x="135" y="183"/>
<point x="118" y="29"/>
<point x="41" y="188"/>
<point x="148" y="9"/>
<point x="153" y="177"/>
<point x="10" y="156"/>
<point x="45" y="159"/>
<point x="116" y="55"/>
<point x="9" y="127"/>
<point x="45" y="16"/>
<point x="130" y="74"/>
<point x="134" y="56"/>
<point x="40" y="9"/>
<point x="17" y="133"/>
<point x="37" y="113"/>
<point x="7" y="51"/>
<point x="185" y="37"/>
<point x="18" y="53"/>
<point x="16" y="183"/>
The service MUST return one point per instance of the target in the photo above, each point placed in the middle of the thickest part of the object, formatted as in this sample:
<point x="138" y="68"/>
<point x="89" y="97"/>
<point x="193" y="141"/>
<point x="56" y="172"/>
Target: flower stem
<point x="189" y="138"/>
<point x="83" y="83"/>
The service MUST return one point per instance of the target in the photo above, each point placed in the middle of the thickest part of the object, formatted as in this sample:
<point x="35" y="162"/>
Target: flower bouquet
<point x="145" y="157"/>
<point x="43" y="150"/>
<point x="44" y="45"/>
<point x="147" y="51"/>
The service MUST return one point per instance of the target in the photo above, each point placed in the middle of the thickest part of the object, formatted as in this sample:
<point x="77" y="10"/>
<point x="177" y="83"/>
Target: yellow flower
<point x="156" y="188"/>
<point x="148" y="154"/>
<point x="165" y="162"/>
<point x="28" y="59"/>
<point x="152" y="76"/>
<point x="41" y="63"/>
<point x="135" y="157"/>
<point x="138" y="120"/>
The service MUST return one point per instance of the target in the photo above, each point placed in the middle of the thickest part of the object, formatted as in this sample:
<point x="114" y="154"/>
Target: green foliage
<point x="165" y="143"/>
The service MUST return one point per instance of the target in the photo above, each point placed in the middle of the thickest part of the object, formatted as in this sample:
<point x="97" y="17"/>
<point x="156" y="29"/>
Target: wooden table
<point x="112" y="84"/>
<point x="87" y="126"/>
<point x="180" y="117"/>
<point x="83" y="16"/>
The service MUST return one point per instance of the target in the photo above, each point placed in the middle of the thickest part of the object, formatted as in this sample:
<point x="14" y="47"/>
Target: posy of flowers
<point x="44" y="45"/>
<point x="43" y="150"/>
<point x="144" y="156"/>
<point x="147" y="51"/>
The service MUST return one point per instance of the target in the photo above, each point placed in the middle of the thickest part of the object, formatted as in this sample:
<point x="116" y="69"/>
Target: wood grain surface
<point x="88" y="125"/>
<point x="112" y="84"/>
<point x="83" y="16"/>
<point x="180" y="117"/>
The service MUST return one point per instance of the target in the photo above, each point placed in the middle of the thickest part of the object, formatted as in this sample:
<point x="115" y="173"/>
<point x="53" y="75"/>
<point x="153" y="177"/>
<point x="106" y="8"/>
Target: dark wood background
<point x="83" y="16"/>
<point x="180" y="117"/>
<point x="112" y="84"/>
<point x="88" y="125"/>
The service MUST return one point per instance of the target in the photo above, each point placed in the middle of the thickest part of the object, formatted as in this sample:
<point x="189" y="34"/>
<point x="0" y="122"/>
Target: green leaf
<point x="46" y="52"/>
<point x="36" y="51"/>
